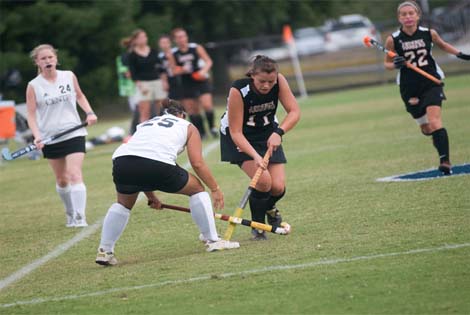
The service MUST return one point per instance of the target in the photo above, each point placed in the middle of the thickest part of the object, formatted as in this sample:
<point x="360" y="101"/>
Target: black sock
<point x="273" y="199"/>
<point x="210" y="118"/>
<point x="196" y="120"/>
<point x="258" y="205"/>
<point x="440" y="140"/>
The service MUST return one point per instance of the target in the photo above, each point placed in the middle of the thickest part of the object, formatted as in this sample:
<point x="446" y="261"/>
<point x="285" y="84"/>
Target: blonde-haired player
<point x="51" y="100"/>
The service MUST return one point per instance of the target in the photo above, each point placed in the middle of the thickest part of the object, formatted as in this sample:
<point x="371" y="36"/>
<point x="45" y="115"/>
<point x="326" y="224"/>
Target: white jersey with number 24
<point x="161" y="138"/>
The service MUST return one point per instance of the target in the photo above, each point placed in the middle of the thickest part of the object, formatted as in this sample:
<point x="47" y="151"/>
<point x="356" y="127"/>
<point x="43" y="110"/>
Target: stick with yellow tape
<point x="239" y="211"/>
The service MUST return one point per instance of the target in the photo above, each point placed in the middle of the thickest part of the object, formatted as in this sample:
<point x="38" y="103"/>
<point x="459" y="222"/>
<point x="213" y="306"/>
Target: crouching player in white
<point x="148" y="163"/>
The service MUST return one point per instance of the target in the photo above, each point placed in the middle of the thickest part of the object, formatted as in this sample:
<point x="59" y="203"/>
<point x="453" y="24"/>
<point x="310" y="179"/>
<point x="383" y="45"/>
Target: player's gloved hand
<point x="463" y="56"/>
<point x="399" y="62"/>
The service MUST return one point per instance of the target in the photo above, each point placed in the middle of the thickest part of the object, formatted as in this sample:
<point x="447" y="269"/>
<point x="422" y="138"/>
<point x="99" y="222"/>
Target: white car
<point x="309" y="41"/>
<point x="349" y="31"/>
<point x="276" y="53"/>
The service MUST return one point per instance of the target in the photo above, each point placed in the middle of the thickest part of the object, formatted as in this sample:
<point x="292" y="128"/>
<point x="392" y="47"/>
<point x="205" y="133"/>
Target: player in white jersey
<point x="51" y="100"/>
<point x="148" y="163"/>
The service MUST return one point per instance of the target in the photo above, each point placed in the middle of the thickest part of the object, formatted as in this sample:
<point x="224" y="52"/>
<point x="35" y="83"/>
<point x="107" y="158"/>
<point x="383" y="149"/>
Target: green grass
<point x="344" y="141"/>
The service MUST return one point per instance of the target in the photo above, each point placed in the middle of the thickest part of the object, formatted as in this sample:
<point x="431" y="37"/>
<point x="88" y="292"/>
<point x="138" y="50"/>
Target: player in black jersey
<point x="193" y="65"/>
<point x="422" y="97"/>
<point x="171" y="82"/>
<point x="249" y="127"/>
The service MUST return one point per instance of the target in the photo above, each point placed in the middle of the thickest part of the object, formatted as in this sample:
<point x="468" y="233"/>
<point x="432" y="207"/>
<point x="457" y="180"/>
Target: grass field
<point x="358" y="246"/>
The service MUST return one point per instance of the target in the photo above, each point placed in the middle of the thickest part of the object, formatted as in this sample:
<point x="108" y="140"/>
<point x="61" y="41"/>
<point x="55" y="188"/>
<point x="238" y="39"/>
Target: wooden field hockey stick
<point x="284" y="229"/>
<point x="238" y="212"/>
<point x="7" y="155"/>
<point x="369" y="42"/>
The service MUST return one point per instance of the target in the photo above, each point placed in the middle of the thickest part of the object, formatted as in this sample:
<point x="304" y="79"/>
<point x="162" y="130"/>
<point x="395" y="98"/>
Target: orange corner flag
<point x="287" y="34"/>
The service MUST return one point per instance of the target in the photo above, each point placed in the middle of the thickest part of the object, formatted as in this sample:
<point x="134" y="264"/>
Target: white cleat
<point x="221" y="245"/>
<point x="70" y="222"/>
<point x="80" y="222"/>
<point x="105" y="258"/>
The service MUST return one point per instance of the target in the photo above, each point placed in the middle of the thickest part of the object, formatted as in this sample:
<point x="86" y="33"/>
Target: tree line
<point x="87" y="32"/>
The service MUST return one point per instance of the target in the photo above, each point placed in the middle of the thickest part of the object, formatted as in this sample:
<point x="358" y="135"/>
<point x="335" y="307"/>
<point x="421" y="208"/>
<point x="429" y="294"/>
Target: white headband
<point x="408" y="3"/>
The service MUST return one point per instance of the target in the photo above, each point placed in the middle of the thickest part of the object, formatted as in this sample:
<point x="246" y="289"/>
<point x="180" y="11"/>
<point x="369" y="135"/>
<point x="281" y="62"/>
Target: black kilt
<point x="230" y="153"/>
<point x="61" y="149"/>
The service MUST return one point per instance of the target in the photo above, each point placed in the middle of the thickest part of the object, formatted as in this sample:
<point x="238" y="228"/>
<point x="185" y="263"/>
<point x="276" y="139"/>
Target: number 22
<point x="422" y="61"/>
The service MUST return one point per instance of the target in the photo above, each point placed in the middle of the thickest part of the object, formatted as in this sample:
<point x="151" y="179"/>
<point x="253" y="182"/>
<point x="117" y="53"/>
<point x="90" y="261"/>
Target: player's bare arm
<point x="82" y="101"/>
<point x="388" y="62"/>
<point x="235" y="121"/>
<point x="207" y="60"/>
<point x="32" y="123"/>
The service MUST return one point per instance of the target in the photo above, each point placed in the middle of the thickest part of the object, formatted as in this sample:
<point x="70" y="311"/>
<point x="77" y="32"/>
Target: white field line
<point x="322" y="262"/>
<point x="62" y="248"/>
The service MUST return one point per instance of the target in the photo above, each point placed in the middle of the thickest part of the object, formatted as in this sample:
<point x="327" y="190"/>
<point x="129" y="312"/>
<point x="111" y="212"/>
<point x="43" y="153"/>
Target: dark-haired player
<point x="249" y="127"/>
<point x="147" y="163"/>
<point x="193" y="64"/>
<point x="422" y="97"/>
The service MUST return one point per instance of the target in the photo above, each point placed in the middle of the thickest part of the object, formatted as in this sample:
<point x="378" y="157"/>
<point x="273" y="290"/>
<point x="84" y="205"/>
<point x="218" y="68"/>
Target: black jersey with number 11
<point x="259" y="110"/>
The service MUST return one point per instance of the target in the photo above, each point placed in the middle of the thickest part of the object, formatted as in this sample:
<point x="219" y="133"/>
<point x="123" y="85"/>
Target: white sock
<point x="78" y="195"/>
<point x="203" y="215"/>
<point x="114" y="224"/>
<point x="64" y="193"/>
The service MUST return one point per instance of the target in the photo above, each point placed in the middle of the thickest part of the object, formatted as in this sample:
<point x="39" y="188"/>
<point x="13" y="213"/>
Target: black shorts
<point x="132" y="174"/>
<point x="174" y="92"/>
<point x="193" y="89"/>
<point x="61" y="149"/>
<point x="426" y="96"/>
<point x="230" y="153"/>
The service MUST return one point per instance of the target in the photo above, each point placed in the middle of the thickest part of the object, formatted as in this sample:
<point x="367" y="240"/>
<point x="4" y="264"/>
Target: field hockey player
<point x="422" y="97"/>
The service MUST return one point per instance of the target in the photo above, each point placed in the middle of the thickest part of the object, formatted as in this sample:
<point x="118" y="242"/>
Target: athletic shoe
<point x="203" y="239"/>
<point x="274" y="217"/>
<point x="105" y="258"/>
<point x="80" y="223"/>
<point x="214" y="132"/>
<point x="258" y="235"/>
<point x="445" y="168"/>
<point x="70" y="221"/>
<point x="221" y="245"/>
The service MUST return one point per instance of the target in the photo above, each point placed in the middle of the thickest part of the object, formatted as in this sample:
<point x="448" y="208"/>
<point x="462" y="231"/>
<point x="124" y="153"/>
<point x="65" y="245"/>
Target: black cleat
<point x="258" y="235"/>
<point x="274" y="217"/>
<point x="445" y="168"/>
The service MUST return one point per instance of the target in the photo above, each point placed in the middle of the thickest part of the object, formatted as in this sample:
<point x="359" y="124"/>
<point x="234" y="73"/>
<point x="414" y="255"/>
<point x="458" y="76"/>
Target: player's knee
<point x="264" y="186"/>
<point x="426" y="132"/>
<point x="426" y="129"/>
<point x="278" y="190"/>
<point x="61" y="181"/>
<point x="75" y="176"/>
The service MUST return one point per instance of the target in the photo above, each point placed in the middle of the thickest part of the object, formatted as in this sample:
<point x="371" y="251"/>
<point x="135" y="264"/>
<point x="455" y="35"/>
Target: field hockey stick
<point x="238" y="212"/>
<point x="7" y="155"/>
<point x="284" y="229"/>
<point x="369" y="42"/>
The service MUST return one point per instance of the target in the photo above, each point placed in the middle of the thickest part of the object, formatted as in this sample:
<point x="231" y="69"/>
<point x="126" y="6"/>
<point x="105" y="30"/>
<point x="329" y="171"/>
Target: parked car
<point x="276" y="53"/>
<point x="348" y="31"/>
<point x="309" y="41"/>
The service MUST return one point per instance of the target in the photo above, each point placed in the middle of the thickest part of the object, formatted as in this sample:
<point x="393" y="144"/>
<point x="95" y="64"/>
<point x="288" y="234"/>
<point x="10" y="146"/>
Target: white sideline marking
<point x="62" y="248"/>
<point x="332" y="261"/>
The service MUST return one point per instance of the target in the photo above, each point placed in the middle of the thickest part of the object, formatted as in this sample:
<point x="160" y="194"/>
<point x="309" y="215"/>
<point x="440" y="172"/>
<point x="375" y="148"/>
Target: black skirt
<point x="64" y="148"/>
<point x="230" y="153"/>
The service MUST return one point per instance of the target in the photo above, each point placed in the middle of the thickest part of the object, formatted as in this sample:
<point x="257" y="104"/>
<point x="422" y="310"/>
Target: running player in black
<point x="422" y="97"/>
<point x="193" y="64"/>
<point x="249" y="127"/>
<point x="171" y="82"/>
